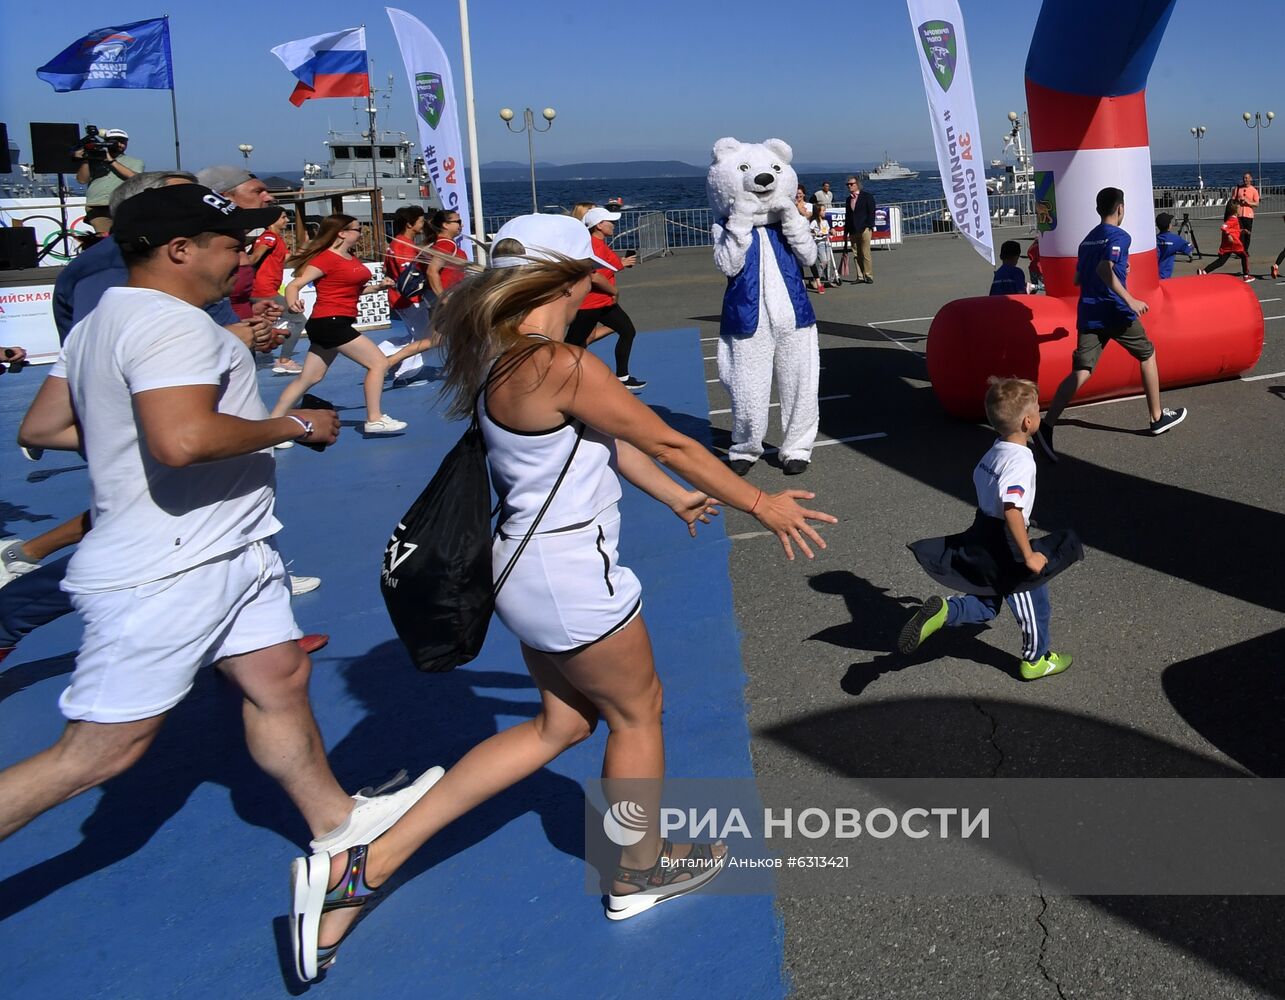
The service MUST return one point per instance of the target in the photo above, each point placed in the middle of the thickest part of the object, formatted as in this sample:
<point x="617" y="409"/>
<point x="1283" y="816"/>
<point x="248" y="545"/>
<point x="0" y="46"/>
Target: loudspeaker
<point x="6" y="164"/>
<point x="17" y="248"/>
<point x="51" y="146"/>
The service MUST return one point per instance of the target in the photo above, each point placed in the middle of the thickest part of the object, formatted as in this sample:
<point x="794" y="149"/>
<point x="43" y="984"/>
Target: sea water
<point x="504" y="198"/>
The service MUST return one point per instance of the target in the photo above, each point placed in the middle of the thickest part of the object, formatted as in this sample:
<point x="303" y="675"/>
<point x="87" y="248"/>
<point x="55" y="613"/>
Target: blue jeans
<point x="32" y="600"/>
<point x="1031" y="608"/>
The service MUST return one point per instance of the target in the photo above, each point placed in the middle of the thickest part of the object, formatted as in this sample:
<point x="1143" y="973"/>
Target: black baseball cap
<point x="154" y="217"/>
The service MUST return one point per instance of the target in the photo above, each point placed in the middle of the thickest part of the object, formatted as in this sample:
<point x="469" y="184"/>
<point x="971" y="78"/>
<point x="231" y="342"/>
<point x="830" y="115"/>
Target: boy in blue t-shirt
<point x="1009" y="279"/>
<point x="1168" y="245"/>
<point x="1106" y="311"/>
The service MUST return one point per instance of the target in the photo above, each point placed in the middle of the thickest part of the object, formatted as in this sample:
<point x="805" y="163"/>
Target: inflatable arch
<point x="1086" y="79"/>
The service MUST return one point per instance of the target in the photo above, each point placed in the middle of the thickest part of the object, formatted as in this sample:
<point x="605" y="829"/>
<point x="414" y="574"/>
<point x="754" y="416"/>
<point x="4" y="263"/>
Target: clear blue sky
<point x="629" y="80"/>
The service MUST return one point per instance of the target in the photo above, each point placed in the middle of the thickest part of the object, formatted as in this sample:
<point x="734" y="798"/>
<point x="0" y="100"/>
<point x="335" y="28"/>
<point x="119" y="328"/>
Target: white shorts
<point x="568" y="589"/>
<point x="142" y="646"/>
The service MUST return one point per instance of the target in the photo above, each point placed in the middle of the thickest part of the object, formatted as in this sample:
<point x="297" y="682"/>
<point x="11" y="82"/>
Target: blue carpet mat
<point x="171" y="880"/>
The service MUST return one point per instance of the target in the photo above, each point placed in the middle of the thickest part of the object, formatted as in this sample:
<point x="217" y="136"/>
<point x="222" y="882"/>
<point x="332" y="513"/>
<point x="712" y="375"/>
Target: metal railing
<point x="652" y="239"/>
<point x="655" y="234"/>
<point x="1208" y="204"/>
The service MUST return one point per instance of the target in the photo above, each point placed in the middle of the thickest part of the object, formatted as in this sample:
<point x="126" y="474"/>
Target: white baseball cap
<point x="546" y="237"/>
<point x="596" y="215"/>
<point x="115" y="133"/>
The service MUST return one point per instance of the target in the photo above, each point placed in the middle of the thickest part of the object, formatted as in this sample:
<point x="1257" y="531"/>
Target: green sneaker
<point x="923" y="623"/>
<point x="1046" y="666"/>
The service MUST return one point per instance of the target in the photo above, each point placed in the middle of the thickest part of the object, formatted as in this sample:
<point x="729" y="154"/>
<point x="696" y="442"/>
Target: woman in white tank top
<point x="587" y="665"/>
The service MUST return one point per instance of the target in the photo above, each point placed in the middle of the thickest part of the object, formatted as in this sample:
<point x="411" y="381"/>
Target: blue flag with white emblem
<point x="134" y="55"/>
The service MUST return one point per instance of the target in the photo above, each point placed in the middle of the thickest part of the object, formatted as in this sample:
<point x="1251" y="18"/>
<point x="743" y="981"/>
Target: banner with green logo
<point x="433" y="91"/>
<point x="948" y="85"/>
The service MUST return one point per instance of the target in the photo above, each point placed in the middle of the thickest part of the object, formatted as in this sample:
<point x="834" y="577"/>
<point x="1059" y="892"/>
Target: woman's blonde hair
<point x="331" y="226"/>
<point x="581" y="209"/>
<point x="478" y="322"/>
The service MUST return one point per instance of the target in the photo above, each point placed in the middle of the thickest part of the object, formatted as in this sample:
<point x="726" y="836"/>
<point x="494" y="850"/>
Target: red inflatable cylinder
<point x="1205" y="328"/>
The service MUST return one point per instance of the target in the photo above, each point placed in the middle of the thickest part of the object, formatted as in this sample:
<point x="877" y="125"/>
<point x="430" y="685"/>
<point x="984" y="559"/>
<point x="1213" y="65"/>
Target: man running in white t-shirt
<point x="180" y="570"/>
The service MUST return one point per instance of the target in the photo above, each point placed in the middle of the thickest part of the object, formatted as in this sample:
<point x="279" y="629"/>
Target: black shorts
<point x="93" y="212"/>
<point x="1089" y="345"/>
<point x="330" y="332"/>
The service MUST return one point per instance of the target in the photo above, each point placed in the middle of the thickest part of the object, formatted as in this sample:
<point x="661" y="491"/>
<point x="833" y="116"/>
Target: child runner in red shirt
<point x="1231" y="245"/>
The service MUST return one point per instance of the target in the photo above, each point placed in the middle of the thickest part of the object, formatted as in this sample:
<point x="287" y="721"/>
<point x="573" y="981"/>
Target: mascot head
<point x="752" y="179"/>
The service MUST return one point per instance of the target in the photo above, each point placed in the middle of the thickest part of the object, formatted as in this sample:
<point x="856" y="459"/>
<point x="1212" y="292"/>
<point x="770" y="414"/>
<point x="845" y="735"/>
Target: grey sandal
<point x="668" y="878"/>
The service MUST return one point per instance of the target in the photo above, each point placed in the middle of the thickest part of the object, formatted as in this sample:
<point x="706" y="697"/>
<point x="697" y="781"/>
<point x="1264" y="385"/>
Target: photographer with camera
<point x="103" y="168"/>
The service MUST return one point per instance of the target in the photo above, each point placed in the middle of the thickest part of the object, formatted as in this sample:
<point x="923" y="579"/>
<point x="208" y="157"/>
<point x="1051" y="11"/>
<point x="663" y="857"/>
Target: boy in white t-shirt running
<point x="995" y="558"/>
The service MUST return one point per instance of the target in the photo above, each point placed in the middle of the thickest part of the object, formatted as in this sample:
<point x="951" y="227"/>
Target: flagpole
<point x="178" y="159"/>
<point x="479" y="224"/>
<point x="376" y="199"/>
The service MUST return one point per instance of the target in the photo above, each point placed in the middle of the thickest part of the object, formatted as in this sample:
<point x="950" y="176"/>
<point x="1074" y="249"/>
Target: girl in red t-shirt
<point x="340" y="279"/>
<point x="447" y="227"/>
<point x="1231" y="245"/>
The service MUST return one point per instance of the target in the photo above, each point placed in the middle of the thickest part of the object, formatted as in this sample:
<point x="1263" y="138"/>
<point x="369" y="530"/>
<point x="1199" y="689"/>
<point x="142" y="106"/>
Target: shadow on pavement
<point x="945" y="737"/>
<point x="1184" y="533"/>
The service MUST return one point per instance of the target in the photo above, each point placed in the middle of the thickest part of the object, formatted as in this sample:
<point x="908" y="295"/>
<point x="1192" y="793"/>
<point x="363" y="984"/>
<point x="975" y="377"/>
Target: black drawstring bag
<point x="436" y="578"/>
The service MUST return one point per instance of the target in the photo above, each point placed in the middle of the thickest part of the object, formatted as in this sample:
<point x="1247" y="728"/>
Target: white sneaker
<point x="385" y="425"/>
<point x="373" y="814"/>
<point x="303" y="584"/>
<point x="284" y="445"/>
<point x="13" y="563"/>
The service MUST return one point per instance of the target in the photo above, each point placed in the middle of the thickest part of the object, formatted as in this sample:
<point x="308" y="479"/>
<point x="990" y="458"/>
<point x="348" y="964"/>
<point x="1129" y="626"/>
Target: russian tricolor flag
<point x="332" y="65"/>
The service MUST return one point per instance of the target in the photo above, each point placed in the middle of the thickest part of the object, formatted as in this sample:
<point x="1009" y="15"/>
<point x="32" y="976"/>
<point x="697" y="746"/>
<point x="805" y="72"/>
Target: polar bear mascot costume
<point x="767" y="323"/>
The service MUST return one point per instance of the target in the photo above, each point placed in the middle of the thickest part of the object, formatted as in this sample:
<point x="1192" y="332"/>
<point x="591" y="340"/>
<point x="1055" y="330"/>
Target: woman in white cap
<point x="341" y="279"/>
<point x="600" y="313"/>
<point x="574" y="608"/>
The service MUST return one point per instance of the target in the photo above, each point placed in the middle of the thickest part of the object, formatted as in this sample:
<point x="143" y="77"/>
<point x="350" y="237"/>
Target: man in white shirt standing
<point x="180" y="570"/>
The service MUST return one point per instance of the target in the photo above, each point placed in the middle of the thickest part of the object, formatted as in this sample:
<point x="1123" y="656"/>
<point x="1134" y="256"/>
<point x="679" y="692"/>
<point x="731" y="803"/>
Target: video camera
<point x="96" y="146"/>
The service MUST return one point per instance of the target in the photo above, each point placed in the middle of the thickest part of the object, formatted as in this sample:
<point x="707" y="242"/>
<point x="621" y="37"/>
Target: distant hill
<point x="509" y="171"/>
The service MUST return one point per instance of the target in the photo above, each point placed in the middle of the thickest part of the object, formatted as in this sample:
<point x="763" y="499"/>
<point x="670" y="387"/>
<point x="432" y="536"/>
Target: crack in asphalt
<point x="1046" y="934"/>
<point x="1044" y="944"/>
<point x="999" y="752"/>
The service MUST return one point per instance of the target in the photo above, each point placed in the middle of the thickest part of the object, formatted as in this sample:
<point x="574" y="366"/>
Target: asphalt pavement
<point x="1175" y="620"/>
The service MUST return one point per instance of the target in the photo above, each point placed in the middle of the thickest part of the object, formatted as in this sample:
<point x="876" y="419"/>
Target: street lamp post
<point x="1258" y="122"/>
<point x="246" y="149"/>
<point x="1199" y="132"/>
<point x="529" y="128"/>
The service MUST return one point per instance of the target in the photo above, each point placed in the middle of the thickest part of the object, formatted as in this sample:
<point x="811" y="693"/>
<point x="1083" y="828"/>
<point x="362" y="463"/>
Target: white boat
<point x="401" y="175"/>
<point x="891" y="170"/>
